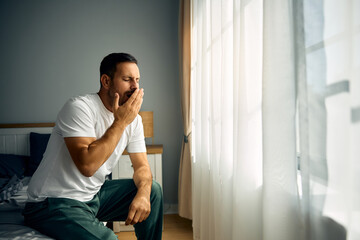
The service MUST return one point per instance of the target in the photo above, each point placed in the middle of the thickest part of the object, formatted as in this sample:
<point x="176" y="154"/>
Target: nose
<point x="134" y="85"/>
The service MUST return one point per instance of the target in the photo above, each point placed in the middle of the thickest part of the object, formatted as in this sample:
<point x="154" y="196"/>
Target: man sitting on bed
<point x="68" y="195"/>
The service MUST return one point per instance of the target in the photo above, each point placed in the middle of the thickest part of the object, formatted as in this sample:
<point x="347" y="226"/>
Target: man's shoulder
<point x="82" y="101"/>
<point x="90" y="98"/>
<point x="76" y="104"/>
<point x="78" y="116"/>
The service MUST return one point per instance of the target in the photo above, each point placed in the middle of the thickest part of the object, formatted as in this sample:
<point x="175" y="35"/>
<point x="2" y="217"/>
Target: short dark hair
<point x="108" y="64"/>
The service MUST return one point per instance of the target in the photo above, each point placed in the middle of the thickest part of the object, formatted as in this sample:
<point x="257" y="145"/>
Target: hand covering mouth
<point x="129" y="93"/>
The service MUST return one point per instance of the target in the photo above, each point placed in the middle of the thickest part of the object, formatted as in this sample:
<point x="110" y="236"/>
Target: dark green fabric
<point x="63" y="218"/>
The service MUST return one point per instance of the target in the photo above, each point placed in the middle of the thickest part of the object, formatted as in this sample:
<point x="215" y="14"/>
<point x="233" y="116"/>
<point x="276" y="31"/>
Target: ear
<point x="105" y="81"/>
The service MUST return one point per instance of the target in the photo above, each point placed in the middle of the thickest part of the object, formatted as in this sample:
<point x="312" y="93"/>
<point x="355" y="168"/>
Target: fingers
<point x="116" y="102"/>
<point x="136" y="97"/>
<point x="136" y="216"/>
<point x="130" y="217"/>
<point x="138" y="105"/>
<point x="127" y="112"/>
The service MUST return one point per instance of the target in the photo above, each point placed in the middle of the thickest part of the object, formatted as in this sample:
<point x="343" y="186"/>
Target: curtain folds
<point x="281" y="218"/>
<point x="185" y="192"/>
<point x="275" y="102"/>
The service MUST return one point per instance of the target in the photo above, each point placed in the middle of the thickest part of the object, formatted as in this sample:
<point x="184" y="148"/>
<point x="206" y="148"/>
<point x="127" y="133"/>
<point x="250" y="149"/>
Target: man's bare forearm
<point x="93" y="153"/>
<point x="143" y="180"/>
<point x="140" y="207"/>
<point x="101" y="149"/>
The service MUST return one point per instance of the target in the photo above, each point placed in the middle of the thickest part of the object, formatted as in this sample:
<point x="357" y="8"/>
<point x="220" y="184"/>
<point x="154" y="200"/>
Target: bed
<point x="21" y="150"/>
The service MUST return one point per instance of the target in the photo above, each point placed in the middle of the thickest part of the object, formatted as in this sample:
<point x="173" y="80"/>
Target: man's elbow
<point x="86" y="170"/>
<point x="87" y="173"/>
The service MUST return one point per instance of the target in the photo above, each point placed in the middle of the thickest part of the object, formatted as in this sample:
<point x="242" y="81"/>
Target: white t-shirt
<point x="57" y="175"/>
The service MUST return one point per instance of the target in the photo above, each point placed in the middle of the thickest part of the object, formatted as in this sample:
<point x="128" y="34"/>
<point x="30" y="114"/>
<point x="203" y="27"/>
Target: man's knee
<point x="156" y="192"/>
<point x="152" y="227"/>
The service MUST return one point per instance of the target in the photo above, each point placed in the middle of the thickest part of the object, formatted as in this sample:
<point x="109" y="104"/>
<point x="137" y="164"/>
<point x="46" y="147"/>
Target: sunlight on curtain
<point x="226" y="93"/>
<point x="276" y="119"/>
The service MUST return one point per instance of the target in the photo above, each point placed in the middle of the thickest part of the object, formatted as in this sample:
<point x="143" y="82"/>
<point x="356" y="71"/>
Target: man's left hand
<point x="139" y="209"/>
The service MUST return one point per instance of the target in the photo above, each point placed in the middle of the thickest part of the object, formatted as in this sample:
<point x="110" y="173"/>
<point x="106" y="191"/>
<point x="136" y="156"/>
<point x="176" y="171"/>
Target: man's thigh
<point x="66" y="219"/>
<point x="115" y="197"/>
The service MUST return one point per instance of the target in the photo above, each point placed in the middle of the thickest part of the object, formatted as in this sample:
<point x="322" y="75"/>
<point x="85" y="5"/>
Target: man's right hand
<point x="127" y="112"/>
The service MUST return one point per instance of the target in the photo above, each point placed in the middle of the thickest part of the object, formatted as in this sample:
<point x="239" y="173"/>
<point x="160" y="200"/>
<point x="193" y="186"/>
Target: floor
<point x="175" y="227"/>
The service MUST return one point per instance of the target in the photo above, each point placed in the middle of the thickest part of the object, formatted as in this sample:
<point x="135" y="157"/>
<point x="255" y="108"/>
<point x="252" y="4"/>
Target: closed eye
<point x="129" y="79"/>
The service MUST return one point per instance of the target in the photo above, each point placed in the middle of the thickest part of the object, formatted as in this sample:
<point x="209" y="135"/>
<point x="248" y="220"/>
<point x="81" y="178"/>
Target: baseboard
<point x="171" y="209"/>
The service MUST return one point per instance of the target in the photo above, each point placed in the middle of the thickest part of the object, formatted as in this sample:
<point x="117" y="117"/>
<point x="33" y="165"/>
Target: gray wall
<point x="51" y="50"/>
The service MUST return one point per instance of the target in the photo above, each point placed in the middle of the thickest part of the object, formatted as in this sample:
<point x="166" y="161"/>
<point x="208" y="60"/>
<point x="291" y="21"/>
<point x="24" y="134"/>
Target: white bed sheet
<point x="12" y="221"/>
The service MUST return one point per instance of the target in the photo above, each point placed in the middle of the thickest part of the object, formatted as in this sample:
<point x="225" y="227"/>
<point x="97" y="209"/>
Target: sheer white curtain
<point x="276" y="117"/>
<point x="329" y="124"/>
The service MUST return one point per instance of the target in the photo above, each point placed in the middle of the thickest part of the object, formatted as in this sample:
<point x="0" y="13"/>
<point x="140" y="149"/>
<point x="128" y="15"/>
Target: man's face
<point x="125" y="82"/>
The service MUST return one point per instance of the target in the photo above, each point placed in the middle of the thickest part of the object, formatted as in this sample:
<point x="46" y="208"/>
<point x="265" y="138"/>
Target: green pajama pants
<point x="63" y="218"/>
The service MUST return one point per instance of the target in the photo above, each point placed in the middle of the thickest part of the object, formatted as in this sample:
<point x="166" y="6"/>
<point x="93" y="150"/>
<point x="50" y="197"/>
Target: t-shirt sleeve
<point x="137" y="140"/>
<point x="76" y="119"/>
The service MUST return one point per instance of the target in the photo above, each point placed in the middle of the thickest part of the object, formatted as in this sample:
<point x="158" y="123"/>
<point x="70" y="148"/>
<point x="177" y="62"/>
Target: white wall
<point x="51" y="50"/>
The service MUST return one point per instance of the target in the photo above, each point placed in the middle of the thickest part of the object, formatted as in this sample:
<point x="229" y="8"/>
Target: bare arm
<point x="140" y="207"/>
<point x="88" y="153"/>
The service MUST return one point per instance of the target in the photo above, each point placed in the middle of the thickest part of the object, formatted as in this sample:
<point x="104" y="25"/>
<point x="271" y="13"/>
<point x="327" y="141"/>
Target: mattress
<point x="11" y="220"/>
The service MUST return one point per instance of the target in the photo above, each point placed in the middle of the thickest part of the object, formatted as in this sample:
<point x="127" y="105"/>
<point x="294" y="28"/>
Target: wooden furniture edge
<point x="151" y="149"/>
<point x="26" y="125"/>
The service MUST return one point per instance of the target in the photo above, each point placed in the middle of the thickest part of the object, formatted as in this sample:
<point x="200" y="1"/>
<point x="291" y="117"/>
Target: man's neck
<point x="105" y="100"/>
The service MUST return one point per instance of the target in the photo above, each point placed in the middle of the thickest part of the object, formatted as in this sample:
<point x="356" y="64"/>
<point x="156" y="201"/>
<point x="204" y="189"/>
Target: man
<point x="68" y="195"/>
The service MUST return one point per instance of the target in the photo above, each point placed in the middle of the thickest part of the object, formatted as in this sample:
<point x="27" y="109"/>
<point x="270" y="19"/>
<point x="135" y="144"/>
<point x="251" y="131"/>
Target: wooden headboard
<point x="148" y="122"/>
<point x="27" y="125"/>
